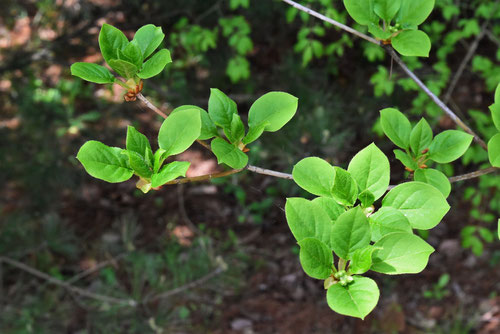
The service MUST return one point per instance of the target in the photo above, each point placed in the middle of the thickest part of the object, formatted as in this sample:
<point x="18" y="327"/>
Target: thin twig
<point x="150" y="105"/>
<point x="269" y="172"/>
<point x="204" y="177"/>
<point x="473" y="175"/>
<point x="97" y="267"/>
<point x="331" y="21"/>
<point x="67" y="286"/>
<point x="434" y="98"/>
<point x="393" y="54"/>
<point x="468" y="56"/>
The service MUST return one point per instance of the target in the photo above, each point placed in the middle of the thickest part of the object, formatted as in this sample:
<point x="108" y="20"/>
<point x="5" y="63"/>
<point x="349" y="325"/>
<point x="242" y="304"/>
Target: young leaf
<point x="434" y="178"/>
<point x="306" y="219"/>
<point x="154" y="65"/>
<point x="330" y="206"/>
<point x="449" y="145"/>
<point x="345" y="188"/>
<point x="495" y="114"/>
<point x="406" y="159"/>
<point x="350" y="232"/>
<point x="123" y="68"/>
<point x="361" y="260"/>
<point x="357" y="299"/>
<point x="401" y="253"/>
<point x="316" y="258"/>
<point x="159" y="157"/>
<point x="274" y="108"/>
<point x="236" y="130"/>
<point x="104" y="162"/>
<point x="366" y="198"/>
<point x="412" y="43"/>
<point x="255" y="132"/>
<point x="92" y="72"/>
<point x="378" y="32"/>
<point x="148" y="37"/>
<point x="179" y="131"/>
<point x="136" y="141"/>
<point x="314" y="175"/>
<point x="414" y="12"/>
<point x="139" y="164"/>
<point x="370" y="168"/>
<point x="169" y="172"/>
<point x="396" y="126"/>
<point x="386" y="9"/>
<point x="388" y="220"/>
<point x="132" y="54"/>
<point x="420" y="137"/>
<point x="208" y="128"/>
<point x="494" y="150"/>
<point x="362" y="11"/>
<point x="221" y="108"/>
<point x="228" y="154"/>
<point x="422" y="204"/>
<point x="111" y="39"/>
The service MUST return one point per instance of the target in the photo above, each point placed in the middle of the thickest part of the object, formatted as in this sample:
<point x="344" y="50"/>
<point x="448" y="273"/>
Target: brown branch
<point x="393" y="54"/>
<point x="150" y="105"/>
<point x="67" y="286"/>
<point x="473" y="175"/>
<point x="204" y="177"/>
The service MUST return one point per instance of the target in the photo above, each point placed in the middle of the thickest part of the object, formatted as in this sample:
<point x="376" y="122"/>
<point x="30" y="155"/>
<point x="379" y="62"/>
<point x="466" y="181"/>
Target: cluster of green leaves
<point x="395" y="22"/>
<point x="237" y="31"/>
<point x="421" y="147"/>
<point x="133" y="60"/>
<point x="343" y="220"/>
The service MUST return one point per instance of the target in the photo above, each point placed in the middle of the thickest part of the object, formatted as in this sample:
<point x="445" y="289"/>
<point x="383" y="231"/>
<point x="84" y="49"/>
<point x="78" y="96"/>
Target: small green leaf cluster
<point x="395" y="22"/>
<point x="494" y="142"/>
<point x="419" y="146"/>
<point x="343" y="220"/>
<point x="113" y="164"/>
<point x="237" y="31"/>
<point x="268" y="113"/>
<point x="133" y="60"/>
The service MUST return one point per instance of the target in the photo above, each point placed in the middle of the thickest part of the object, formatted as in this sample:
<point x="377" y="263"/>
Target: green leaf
<point x="137" y="142"/>
<point x="357" y="299"/>
<point x="314" y="175"/>
<point x="139" y="164"/>
<point x="274" y="108"/>
<point x="495" y="114"/>
<point x="449" y="145"/>
<point x="494" y="150"/>
<point x="330" y="206"/>
<point x="345" y="188"/>
<point x="361" y="260"/>
<point x="412" y="43"/>
<point x="434" y="178"/>
<point x="406" y="159"/>
<point x="396" y="127"/>
<point x="420" y="137"/>
<point x="208" y="128"/>
<point x="350" y="232"/>
<point x="498" y="228"/>
<point x="159" y="157"/>
<point x="169" y="172"/>
<point x="92" y="72"/>
<point x="422" y="204"/>
<point x="388" y="220"/>
<point x="154" y="65"/>
<point x="362" y="11"/>
<point x="414" y="12"/>
<point x="179" y="131"/>
<point x="236" y="130"/>
<point x="148" y="37"/>
<point x="401" y="253"/>
<point x="111" y="39"/>
<point x="366" y="198"/>
<point x="386" y="9"/>
<point x="316" y="258"/>
<point x="123" y="68"/>
<point x="370" y="168"/>
<point x="378" y="32"/>
<point x="255" y="132"/>
<point x="132" y="54"/>
<point x="221" y="108"/>
<point x="228" y="154"/>
<point x="104" y="162"/>
<point x="306" y="219"/>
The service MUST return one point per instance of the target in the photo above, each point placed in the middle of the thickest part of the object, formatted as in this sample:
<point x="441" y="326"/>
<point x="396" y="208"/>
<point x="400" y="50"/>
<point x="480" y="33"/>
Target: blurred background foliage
<point x="112" y="240"/>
